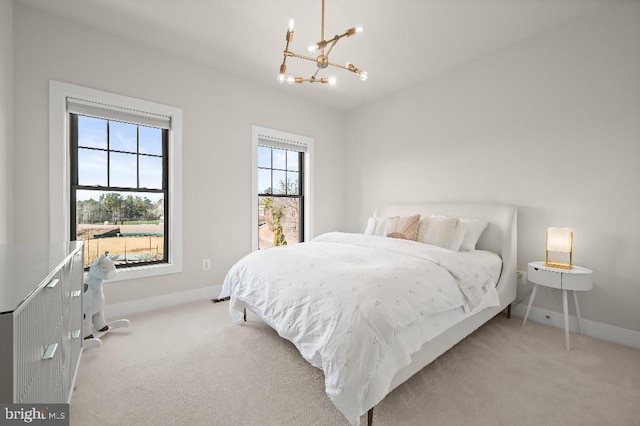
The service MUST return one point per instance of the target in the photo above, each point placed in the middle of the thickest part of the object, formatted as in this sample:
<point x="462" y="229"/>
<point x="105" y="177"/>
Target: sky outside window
<point x="117" y="154"/>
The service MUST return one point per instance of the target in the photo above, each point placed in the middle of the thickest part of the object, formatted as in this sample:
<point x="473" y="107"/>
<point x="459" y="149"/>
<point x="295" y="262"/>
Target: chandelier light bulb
<point x="359" y="29"/>
<point x="332" y="80"/>
<point x="290" y="24"/>
<point x="363" y="75"/>
<point x="281" y="78"/>
<point x="291" y="79"/>
<point x="312" y="48"/>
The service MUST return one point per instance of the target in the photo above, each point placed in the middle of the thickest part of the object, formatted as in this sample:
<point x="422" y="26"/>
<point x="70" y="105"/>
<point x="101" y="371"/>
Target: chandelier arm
<point x="309" y="80"/>
<point x="295" y="55"/>
<point x="333" y="43"/>
<point x="333" y="64"/>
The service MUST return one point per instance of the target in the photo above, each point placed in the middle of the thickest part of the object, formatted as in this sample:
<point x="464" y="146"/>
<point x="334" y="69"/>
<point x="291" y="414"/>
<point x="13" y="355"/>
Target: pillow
<point x="473" y="229"/>
<point x="467" y="234"/>
<point x="405" y="228"/>
<point x="371" y="226"/>
<point x="375" y="226"/>
<point x="440" y="231"/>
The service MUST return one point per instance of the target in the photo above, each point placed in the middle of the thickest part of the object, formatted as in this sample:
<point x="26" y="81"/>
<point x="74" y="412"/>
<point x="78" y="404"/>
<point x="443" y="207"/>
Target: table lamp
<point x="559" y="240"/>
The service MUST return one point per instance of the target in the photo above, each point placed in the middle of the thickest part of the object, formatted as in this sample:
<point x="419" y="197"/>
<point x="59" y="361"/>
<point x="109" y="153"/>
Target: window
<point x="115" y="178"/>
<point x="118" y="188"/>
<point x="280" y="197"/>
<point x="282" y="182"/>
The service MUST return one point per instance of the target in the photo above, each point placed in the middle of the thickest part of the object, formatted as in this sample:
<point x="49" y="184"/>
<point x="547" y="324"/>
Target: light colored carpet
<point x="190" y="365"/>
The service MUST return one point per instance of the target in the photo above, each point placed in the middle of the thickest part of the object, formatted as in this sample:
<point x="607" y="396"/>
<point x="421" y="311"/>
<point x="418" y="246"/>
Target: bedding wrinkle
<point x="347" y="302"/>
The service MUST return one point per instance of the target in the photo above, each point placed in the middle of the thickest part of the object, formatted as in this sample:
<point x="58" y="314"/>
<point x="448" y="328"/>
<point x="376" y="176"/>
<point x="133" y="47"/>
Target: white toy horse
<point x="93" y="302"/>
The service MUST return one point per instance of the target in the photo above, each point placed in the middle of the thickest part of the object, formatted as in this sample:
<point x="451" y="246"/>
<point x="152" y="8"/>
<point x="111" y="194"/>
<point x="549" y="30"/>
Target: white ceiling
<point x="404" y="41"/>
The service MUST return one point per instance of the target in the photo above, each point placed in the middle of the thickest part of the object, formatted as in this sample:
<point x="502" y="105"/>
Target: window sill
<point x="146" y="271"/>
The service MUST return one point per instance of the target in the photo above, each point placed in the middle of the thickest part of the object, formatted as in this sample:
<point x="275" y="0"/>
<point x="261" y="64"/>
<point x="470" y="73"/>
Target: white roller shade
<point x="116" y="113"/>
<point x="274" y="142"/>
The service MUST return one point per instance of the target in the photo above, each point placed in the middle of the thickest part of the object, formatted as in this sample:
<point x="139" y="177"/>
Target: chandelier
<point x="323" y="47"/>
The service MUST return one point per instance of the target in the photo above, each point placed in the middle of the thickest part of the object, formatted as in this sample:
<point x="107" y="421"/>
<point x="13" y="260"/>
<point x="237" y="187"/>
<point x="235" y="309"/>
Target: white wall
<point x="219" y="110"/>
<point x="6" y="118"/>
<point x="551" y="125"/>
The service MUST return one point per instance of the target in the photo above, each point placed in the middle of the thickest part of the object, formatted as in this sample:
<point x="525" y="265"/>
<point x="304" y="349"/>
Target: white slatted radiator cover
<point x="47" y="336"/>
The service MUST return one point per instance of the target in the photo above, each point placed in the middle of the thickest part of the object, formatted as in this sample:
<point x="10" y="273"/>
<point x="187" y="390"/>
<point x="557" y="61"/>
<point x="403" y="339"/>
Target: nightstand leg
<point x="575" y="300"/>
<point x="566" y="316"/>
<point x="533" y="296"/>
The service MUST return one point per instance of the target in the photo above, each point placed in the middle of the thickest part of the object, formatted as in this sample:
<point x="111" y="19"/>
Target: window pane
<point x="92" y="132"/>
<point x="123" y="170"/>
<point x="123" y="136"/>
<point x="150" y="140"/>
<point x="150" y="172"/>
<point x="264" y="181"/>
<point x="279" y="159"/>
<point x="128" y="226"/>
<point x="278" y="221"/>
<point x="92" y="167"/>
<point x="264" y="157"/>
<point x="292" y="183"/>
<point x="279" y="182"/>
<point x="292" y="160"/>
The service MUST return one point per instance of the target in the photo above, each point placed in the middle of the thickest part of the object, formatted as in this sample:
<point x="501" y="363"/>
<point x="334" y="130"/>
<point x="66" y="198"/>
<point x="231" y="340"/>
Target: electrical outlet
<point x="206" y="264"/>
<point x="522" y="277"/>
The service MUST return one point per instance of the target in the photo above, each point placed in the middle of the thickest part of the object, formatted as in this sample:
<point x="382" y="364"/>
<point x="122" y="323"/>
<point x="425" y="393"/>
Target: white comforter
<point x="342" y="299"/>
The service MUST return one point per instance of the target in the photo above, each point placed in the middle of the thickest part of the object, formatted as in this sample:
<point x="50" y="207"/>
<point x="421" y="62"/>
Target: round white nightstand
<point x="575" y="279"/>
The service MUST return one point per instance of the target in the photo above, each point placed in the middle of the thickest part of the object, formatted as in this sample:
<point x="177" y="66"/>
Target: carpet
<point x="190" y="365"/>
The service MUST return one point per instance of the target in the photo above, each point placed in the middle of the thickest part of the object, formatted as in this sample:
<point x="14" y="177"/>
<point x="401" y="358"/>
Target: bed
<point x="371" y="310"/>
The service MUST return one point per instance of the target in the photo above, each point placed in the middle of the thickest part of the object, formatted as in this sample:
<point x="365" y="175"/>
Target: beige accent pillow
<point x="467" y="234"/>
<point x="402" y="227"/>
<point x="440" y="231"/>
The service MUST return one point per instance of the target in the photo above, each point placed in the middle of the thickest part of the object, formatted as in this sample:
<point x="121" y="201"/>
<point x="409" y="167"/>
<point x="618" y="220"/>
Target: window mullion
<point x="108" y="154"/>
<point x="137" y="156"/>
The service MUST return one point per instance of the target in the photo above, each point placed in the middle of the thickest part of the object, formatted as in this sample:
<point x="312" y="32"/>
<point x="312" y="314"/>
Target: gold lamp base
<point x="560" y="265"/>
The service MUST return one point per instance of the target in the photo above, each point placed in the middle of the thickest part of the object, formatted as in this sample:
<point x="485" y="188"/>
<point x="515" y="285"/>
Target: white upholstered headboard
<point x="499" y="237"/>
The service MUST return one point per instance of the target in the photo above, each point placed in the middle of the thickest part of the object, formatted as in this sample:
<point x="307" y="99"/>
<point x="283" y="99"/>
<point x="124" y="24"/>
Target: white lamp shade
<point x="559" y="240"/>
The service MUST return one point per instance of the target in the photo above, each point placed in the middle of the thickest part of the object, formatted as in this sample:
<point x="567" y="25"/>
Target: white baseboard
<point x="119" y="310"/>
<point x="594" y="329"/>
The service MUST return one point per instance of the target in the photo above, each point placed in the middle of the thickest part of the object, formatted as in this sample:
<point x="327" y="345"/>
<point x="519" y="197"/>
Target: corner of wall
<point x="6" y="121"/>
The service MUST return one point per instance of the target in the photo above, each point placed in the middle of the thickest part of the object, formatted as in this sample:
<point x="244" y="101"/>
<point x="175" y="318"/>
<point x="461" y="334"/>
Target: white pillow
<point x="376" y="226"/>
<point x="440" y="231"/>
<point x="467" y="234"/>
<point x="473" y="229"/>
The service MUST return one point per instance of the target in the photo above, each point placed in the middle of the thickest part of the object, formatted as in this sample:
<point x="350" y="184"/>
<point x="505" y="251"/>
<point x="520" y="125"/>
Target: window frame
<point x="76" y="186"/>
<point x="60" y="171"/>
<point x="263" y="136"/>
<point x="301" y="187"/>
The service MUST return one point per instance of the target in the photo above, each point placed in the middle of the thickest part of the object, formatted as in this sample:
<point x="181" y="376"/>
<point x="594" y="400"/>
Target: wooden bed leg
<point x="509" y="310"/>
<point x="244" y="315"/>
<point x="370" y="417"/>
